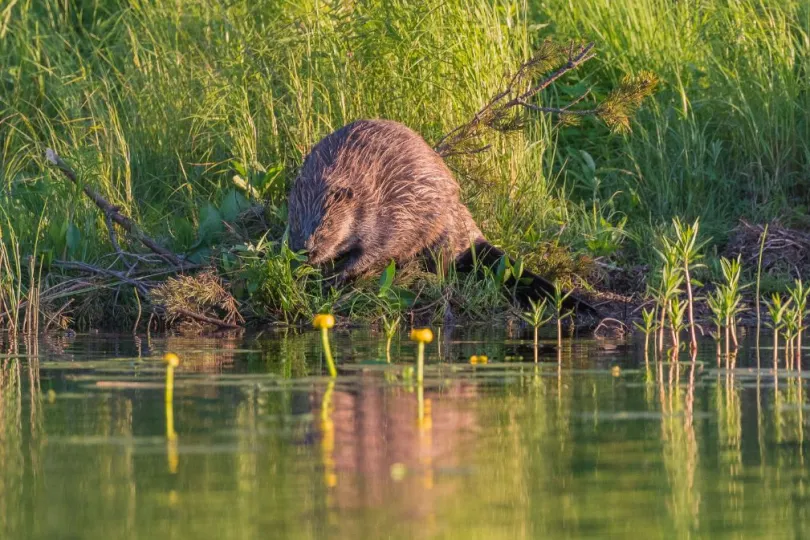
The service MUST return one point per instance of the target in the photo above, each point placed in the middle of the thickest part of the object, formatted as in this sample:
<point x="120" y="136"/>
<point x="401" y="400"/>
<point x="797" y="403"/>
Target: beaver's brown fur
<point x="374" y="191"/>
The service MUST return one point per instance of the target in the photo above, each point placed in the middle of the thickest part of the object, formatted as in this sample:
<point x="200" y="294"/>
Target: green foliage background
<point x="160" y="103"/>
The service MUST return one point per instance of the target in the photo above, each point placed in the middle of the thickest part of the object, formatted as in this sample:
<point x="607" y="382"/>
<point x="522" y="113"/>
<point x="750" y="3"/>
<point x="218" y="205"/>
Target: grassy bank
<point x="158" y="106"/>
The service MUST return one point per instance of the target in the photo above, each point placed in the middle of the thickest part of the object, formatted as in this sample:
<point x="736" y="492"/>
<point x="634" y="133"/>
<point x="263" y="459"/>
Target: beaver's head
<point x="322" y="223"/>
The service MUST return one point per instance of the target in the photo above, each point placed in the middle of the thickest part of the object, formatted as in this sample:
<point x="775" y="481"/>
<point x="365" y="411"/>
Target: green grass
<point x="160" y="104"/>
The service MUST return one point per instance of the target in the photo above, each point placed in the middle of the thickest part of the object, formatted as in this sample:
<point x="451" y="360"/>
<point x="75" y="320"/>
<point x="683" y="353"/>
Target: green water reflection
<point x="263" y="445"/>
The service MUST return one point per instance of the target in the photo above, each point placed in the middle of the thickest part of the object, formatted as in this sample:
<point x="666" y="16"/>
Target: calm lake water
<point x="263" y="445"/>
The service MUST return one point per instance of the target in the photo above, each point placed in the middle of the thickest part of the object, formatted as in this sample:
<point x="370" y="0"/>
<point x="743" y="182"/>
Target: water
<point x="596" y="445"/>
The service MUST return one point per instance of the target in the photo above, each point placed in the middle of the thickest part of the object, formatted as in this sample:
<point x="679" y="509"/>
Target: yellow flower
<point x="323" y="321"/>
<point x="171" y="359"/>
<point x="422" y="335"/>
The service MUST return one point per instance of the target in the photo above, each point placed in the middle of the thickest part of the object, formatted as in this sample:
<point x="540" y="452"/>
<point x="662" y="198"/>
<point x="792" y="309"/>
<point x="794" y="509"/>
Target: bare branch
<point x="500" y="114"/>
<point x="206" y="319"/>
<point x="573" y="63"/>
<point x="109" y="210"/>
<point x="89" y="268"/>
<point x="114" y="241"/>
<point x="468" y="152"/>
<point x="557" y="110"/>
<point x="495" y="114"/>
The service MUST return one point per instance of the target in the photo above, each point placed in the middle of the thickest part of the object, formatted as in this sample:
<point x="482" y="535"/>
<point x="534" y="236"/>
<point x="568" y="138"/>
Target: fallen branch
<point x="53" y="319"/>
<point x="89" y="268"/>
<point x="114" y="242"/>
<point x="206" y="319"/>
<point x="112" y="212"/>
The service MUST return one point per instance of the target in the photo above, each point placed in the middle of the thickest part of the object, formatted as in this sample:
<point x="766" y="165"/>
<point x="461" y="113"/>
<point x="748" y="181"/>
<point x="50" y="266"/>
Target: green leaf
<point x="406" y="298"/>
<point x="182" y="232"/>
<point x="588" y="161"/>
<point x="387" y="278"/>
<point x="240" y="168"/>
<point x="517" y="268"/>
<point x="210" y="225"/>
<point x="200" y="255"/>
<point x="57" y="234"/>
<point x="502" y="272"/>
<point x="73" y="236"/>
<point x="228" y="262"/>
<point x="233" y="204"/>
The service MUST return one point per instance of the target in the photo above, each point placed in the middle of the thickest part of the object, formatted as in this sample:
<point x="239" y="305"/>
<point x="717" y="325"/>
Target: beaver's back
<point x="387" y="159"/>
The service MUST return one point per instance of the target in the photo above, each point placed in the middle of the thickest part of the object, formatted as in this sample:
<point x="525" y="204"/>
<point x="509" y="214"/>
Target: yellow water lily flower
<point x="323" y="321"/>
<point x="422" y="335"/>
<point x="171" y="359"/>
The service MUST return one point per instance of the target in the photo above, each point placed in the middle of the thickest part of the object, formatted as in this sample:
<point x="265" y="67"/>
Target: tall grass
<point x="159" y="104"/>
<point x="728" y="133"/>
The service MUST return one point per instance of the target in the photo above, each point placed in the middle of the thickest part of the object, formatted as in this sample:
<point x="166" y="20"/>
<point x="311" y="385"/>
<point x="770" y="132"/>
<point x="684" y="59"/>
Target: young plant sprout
<point x="648" y="327"/>
<point x="537" y="318"/>
<point x="732" y="298"/>
<point x="390" y="327"/>
<point x="717" y="305"/>
<point x="421" y="336"/>
<point x="688" y="251"/>
<point x="670" y="288"/>
<point x="777" y="310"/>
<point x="791" y="327"/>
<point x="799" y="296"/>
<point x="325" y="322"/>
<point x="677" y="310"/>
<point x="559" y="299"/>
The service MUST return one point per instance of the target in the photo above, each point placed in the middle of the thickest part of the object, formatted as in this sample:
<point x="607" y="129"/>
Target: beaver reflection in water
<point x="374" y="191"/>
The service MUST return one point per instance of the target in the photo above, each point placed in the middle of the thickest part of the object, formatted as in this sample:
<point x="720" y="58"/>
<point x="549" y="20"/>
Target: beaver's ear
<point x="342" y="194"/>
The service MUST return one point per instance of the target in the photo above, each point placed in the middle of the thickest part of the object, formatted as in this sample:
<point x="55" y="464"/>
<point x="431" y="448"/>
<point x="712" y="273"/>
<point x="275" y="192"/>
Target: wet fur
<point x="374" y="191"/>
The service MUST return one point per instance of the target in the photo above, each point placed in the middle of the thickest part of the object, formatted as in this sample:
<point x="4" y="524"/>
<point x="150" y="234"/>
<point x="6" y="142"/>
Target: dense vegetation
<point x="186" y="114"/>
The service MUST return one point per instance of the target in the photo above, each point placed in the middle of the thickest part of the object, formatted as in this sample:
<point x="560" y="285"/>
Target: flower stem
<point x="420" y="362"/>
<point x="330" y="362"/>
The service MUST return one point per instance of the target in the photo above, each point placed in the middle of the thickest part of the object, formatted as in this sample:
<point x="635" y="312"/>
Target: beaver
<point x="374" y="191"/>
